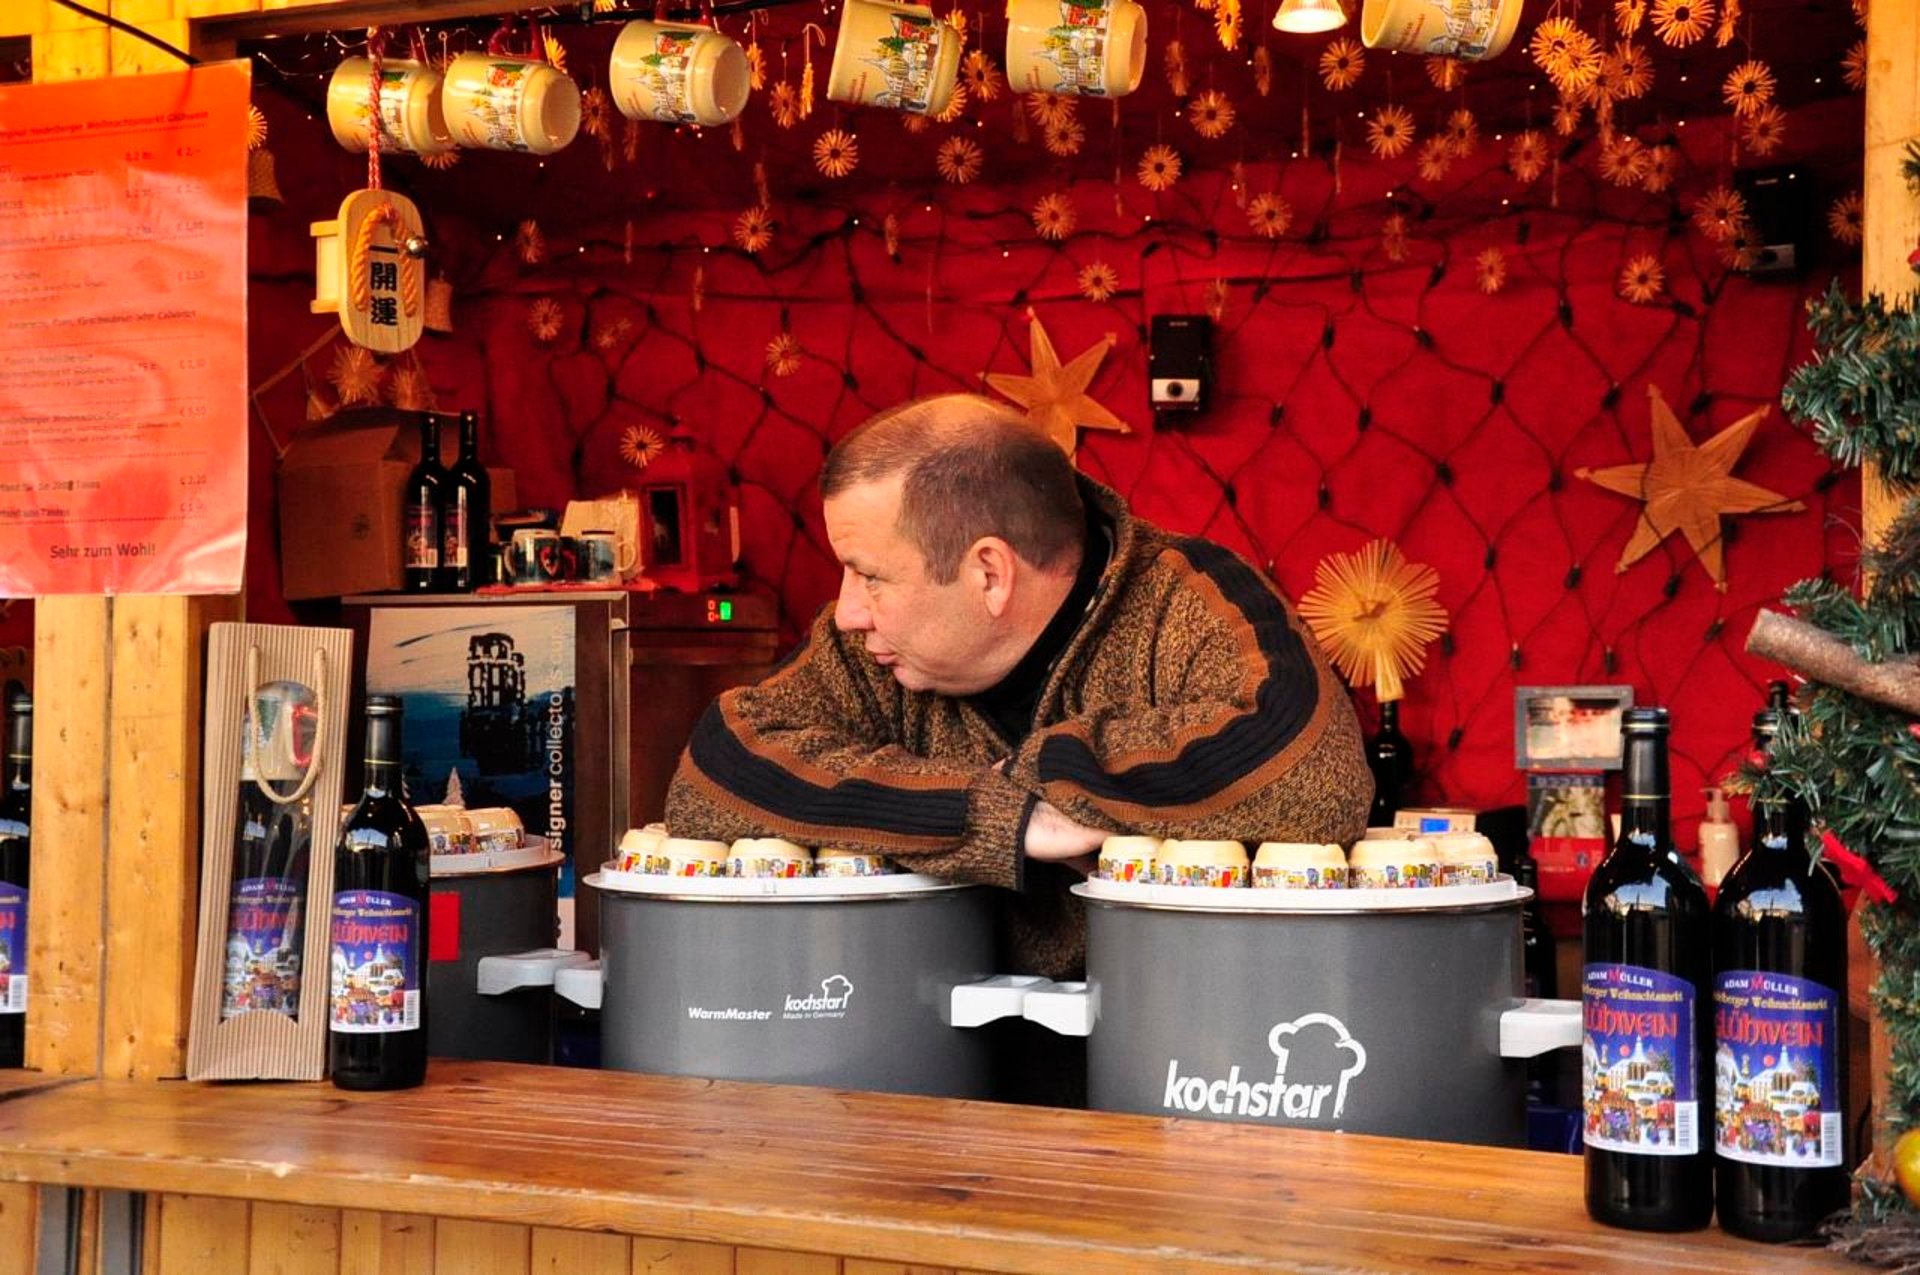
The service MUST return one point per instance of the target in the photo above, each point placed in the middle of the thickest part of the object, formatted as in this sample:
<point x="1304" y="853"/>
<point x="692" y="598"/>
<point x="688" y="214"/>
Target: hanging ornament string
<point x="808" y="34"/>
<point x="376" y="124"/>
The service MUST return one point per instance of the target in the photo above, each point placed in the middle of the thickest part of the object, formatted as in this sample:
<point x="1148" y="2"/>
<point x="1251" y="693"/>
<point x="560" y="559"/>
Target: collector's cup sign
<point x="123" y="340"/>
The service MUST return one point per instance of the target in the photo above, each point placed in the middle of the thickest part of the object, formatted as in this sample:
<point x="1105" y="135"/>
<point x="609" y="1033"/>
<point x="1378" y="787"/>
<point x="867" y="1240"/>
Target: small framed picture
<point x="1568" y="727"/>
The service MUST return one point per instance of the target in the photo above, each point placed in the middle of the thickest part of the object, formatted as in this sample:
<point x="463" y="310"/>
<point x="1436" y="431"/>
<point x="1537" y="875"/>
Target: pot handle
<point x="495" y="975"/>
<point x="1070" y="1009"/>
<point x="1535" y="1027"/>
<point x="991" y="999"/>
<point x="580" y="983"/>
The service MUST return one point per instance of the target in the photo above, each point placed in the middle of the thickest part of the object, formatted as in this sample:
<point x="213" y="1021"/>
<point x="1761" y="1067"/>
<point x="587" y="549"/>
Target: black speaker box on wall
<point x="1780" y="210"/>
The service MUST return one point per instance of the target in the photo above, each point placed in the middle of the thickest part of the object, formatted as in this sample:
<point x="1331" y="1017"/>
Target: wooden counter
<point x="498" y="1168"/>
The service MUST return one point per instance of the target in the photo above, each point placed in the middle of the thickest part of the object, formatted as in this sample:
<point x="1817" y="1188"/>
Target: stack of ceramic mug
<point x="1378" y="863"/>
<point x="652" y="851"/>
<point x="454" y="830"/>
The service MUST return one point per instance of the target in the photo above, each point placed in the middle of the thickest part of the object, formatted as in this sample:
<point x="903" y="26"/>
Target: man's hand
<point x="1052" y="836"/>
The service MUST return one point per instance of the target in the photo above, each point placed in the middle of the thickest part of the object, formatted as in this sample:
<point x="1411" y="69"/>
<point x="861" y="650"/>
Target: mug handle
<point x="511" y="564"/>
<point x="626" y="555"/>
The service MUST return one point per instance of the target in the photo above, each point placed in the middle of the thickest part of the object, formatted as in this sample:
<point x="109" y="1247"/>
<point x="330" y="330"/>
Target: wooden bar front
<point x="500" y="1168"/>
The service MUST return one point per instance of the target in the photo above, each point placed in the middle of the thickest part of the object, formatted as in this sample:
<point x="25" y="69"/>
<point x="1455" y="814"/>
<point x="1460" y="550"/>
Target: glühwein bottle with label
<point x="377" y="1013"/>
<point x="423" y="507"/>
<point x="266" y="909"/>
<point x="1390" y="758"/>
<point x="1646" y="993"/>
<point x="466" y="523"/>
<point x="16" y="817"/>
<point x="1780" y="996"/>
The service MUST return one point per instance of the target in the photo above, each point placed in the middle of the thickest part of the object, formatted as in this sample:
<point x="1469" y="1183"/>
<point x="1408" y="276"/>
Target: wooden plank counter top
<point x="898" y="1179"/>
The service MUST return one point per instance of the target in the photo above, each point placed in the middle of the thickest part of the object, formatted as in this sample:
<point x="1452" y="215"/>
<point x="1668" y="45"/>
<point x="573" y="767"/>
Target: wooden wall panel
<point x="65" y="909"/>
<point x="481" y="1248"/>
<point x="385" y="1243"/>
<point x="680" y="1257"/>
<point x="201" y="1236"/>
<point x="766" y="1261"/>
<point x="557" y="1252"/>
<point x="864" y="1266"/>
<point x="293" y="1239"/>
<point x="19" y="1220"/>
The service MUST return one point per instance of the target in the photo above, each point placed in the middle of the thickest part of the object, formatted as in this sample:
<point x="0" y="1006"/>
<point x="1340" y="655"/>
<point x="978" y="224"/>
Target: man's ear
<point x="989" y="569"/>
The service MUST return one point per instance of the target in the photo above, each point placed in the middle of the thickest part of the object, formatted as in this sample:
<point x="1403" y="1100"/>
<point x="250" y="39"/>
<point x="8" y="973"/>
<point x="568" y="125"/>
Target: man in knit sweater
<point x="1015" y="668"/>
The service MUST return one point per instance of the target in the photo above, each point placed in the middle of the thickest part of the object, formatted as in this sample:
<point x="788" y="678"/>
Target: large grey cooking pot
<point x="1406" y="1022"/>
<point x="875" y="988"/>
<point x="481" y="913"/>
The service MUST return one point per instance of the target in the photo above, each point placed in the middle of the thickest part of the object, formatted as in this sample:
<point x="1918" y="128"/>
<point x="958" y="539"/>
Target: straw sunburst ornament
<point x="1374" y="613"/>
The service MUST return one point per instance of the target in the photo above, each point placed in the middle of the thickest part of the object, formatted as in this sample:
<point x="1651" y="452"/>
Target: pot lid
<point x="1195" y="898"/>
<point x="770" y="889"/>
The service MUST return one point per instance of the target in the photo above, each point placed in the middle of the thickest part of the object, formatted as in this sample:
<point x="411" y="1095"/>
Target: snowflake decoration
<point x="1765" y="131"/>
<point x="1436" y="157"/>
<point x="1175" y="62"/>
<point x="1447" y="74"/>
<point x="1682" y="22"/>
<point x="784" y="354"/>
<point x="1211" y="114"/>
<point x="1853" y="67"/>
<point x="1629" y="71"/>
<point x="640" y="446"/>
<point x="530" y="243"/>
<point x="1720" y="212"/>
<point x="1393" y="237"/>
<point x="1262" y="72"/>
<point x="1050" y="110"/>
<point x="1527" y="157"/>
<point x="356" y="375"/>
<point x="1623" y="161"/>
<point x="836" y="153"/>
<point x="1628" y="15"/>
<point x="784" y="103"/>
<point x="1462" y="133"/>
<point x="1390" y="131"/>
<point x="1098" y="281"/>
<point x="1053" y="216"/>
<point x="1844" y="218"/>
<point x="958" y="160"/>
<point x="979" y="74"/>
<point x="1643" y="279"/>
<point x="1490" y="270"/>
<point x="1748" y="87"/>
<point x="256" y="128"/>
<point x="544" y="319"/>
<point x="753" y="229"/>
<point x="1569" y="56"/>
<point x="1159" y="168"/>
<point x="1269" y="215"/>
<point x="1065" y="138"/>
<point x="1341" y="64"/>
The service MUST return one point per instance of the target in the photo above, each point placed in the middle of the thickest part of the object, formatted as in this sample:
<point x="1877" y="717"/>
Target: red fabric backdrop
<point x="1356" y="396"/>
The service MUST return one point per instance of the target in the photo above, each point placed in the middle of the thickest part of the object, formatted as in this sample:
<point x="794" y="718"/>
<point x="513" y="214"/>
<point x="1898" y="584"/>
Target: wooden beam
<point x="345" y="15"/>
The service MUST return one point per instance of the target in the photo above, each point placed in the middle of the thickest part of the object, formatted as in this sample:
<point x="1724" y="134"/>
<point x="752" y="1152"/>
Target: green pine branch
<point x="1860" y="394"/>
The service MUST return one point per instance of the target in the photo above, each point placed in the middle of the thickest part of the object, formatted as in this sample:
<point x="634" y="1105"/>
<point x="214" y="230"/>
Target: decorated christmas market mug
<point x="509" y="104"/>
<point x="410" y="115"/>
<point x="535" y="556"/>
<point x="894" y="55"/>
<point x="1471" y="30"/>
<point x="678" y="74"/>
<point x="1087" y="48"/>
<point x="602" y="558"/>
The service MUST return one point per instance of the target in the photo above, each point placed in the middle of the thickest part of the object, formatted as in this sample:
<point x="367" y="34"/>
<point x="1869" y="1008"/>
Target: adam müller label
<point x="1639" y="1064"/>
<point x="1777" y="1079"/>
<point x="375" y="970"/>
<point x="13" y="949"/>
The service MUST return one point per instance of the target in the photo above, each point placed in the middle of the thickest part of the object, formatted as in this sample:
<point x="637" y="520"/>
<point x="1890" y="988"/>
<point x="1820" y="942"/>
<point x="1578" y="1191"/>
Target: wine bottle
<point x="16" y="817"/>
<point x="1780" y="994"/>
<point x="266" y="907"/>
<point x="1390" y="758"/>
<point x="465" y="527"/>
<point x="1644" y="985"/>
<point x="425" y="498"/>
<point x="377" y="1013"/>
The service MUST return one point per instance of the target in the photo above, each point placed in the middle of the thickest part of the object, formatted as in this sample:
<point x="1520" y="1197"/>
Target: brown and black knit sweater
<point x="1191" y="702"/>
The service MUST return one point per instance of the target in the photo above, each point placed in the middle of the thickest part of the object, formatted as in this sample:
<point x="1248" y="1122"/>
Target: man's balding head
<point x="968" y="467"/>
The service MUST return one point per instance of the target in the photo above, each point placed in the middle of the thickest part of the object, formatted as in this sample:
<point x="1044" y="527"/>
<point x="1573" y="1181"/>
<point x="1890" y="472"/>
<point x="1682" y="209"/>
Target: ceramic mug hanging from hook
<point x="508" y="103"/>
<point x="678" y="74"/>
<point x="410" y="114"/>
<point x="894" y="55"/>
<point x="1471" y="30"/>
<point x="1086" y="48"/>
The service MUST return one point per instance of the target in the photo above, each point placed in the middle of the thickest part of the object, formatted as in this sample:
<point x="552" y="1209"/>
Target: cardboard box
<point x="340" y="487"/>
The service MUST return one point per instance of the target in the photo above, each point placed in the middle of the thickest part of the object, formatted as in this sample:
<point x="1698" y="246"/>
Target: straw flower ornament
<point x="1623" y="161"/>
<point x="1053" y="216"/>
<point x="1569" y="56"/>
<point x="836" y="153"/>
<point x="1463" y="133"/>
<point x="958" y="160"/>
<point x="1628" y="15"/>
<point x="1098" y="281"/>
<point x="1844" y="218"/>
<point x="544" y="319"/>
<point x="956" y="104"/>
<point x="783" y="101"/>
<point x="1174" y="61"/>
<point x="530" y="243"/>
<point x="1341" y="64"/>
<point x="1490" y="270"/>
<point x="1527" y="157"/>
<point x="753" y="229"/>
<point x="784" y="354"/>
<point x="1629" y="69"/>
<point x="1211" y="114"/>
<point x="1050" y="109"/>
<point x="1065" y="137"/>
<point x="1390" y="131"/>
<point x="1764" y="132"/>
<point x="1748" y="87"/>
<point x="1447" y="74"/>
<point x="1660" y="162"/>
<point x="1729" y="23"/>
<point x="1269" y="215"/>
<point x="639" y="446"/>
<point x="1682" y="22"/>
<point x="1436" y="158"/>
<point x="1159" y="168"/>
<point x="1854" y="66"/>
<point x="356" y="375"/>
<point x="1720" y="212"/>
<point x="1374" y="613"/>
<point x="979" y="74"/>
<point x="256" y="128"/>
<point x="1566" y="117"/>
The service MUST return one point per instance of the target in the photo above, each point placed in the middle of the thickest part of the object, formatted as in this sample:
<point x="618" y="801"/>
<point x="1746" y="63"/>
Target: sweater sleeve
<point x="1246" y="735"/>
<point x="813" y="753"/>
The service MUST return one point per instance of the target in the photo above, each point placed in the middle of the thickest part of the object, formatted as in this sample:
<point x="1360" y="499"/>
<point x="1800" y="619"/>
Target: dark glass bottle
<point x="1649" y="1028"/>
<point x="423" y="506"/>
<point x="16" y="817"/>
<point x="1538" y="968"/>
<point x="1390" y="758"/>
<point x="377" y="1012"/>
<point x="1780" y="996"/>
<point x="465" y="526"/>
<point x="266" y="909"/>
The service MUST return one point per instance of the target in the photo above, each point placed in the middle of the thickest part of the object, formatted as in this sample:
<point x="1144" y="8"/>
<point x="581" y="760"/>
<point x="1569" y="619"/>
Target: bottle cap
<point x="1644" y="720"/>
<point x="1717" y="811"/>
<point x="385" y="705"/>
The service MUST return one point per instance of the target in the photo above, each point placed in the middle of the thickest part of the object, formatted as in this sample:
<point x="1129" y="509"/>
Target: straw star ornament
<point x="1055" y="394"/>
<point x="1688" y="487"/>
<point x="1374" y="613"/>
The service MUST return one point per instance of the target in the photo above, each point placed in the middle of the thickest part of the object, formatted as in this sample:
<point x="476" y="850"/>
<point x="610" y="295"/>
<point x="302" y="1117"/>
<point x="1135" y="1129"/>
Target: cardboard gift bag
<point x="275" y="752"/>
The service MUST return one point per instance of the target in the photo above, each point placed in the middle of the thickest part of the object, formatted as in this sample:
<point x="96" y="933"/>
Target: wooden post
<point x="1892" y="230"/>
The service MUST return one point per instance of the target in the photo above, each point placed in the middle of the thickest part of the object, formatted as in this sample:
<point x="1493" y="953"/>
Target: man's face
<point x="930" y="635"/>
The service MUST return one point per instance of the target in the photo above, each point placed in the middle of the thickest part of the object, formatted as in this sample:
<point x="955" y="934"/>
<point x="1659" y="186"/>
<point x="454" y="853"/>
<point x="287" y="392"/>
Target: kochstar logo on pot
<point x="1299" y="1100"/>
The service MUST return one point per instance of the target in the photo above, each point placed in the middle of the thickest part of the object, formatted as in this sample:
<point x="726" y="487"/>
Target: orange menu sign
<point x="123" y="337"/>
